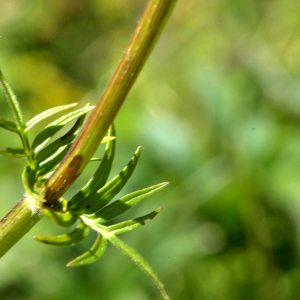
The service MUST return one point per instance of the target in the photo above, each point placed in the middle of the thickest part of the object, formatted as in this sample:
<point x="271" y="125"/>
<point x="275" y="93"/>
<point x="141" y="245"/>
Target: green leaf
<point x="43" y="178"/>
<point x="131" y="225"/>
<point x="123" y="204"/>
<point x="51" y="156"/>
<point x="48" y="113"/>
<point x="15" y="152"/>
<point x="58" y="145"/>
<point x="140" y="262"/>
<point x="92" y="255"/>
<point x="112" y="188"/>
<point x="66" y="240"/>
<point x="51" y="164"/>
<point x="12" y="100"/>
<point x="63" y="202"/>
<point x="47" y="133"/>
<point x="95" y="159"/>
<point x="107" y="139"/>
<point x="29" y="180"/>
<point x="47" y="167"/>
<point x="77" y="203"/>
<point x="66" y="219"/>
<point x="9" y="125"/>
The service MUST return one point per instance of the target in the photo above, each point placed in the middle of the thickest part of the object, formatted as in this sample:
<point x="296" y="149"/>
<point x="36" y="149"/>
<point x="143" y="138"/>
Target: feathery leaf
<point x="48" y="113"/>
<point x="92" y="255"/>
<point x="65" y="240"/>
<point x="123" y="204"/>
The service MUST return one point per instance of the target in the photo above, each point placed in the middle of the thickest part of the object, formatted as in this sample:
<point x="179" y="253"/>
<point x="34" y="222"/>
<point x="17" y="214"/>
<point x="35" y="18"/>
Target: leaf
<point x="63" y="202"/>
<point x="58" y="145"/>
<point x="15" y="152"/>
<point x="112" y="188"/>
<point x="9" y="125"/>
<point x="95" y="159"/>
<point x="107" y="139"/>
<point x="66" y="219"/>
<point x="53" y="163"/>
<point x="123" y="204"/>
<point x="43" y="178"/>
<point x="140" y="262"/>
<point x="51" y="156"/>
<point x="77" y="203"/>
<point x="45" y="135"/>
<point x="48" y="113"/>
<point x="65" y="240"/>
<point x="92" y="255"/>
<point x="12" y="100"/>
<point x="131" y="225"/>
<point x="29" y="180"/>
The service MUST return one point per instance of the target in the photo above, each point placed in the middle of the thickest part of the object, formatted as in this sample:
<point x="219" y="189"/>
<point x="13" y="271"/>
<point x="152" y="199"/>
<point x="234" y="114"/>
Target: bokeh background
<point x="217" y="111"/>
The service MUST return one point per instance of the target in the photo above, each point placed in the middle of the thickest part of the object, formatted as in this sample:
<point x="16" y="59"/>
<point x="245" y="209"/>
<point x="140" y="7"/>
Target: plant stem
<point x="12" y="100"/>
<point x="18" y="222"/>
<point x="15" y="108"/>
<point x="26" y="214"/>
<point x="135" y="56"/>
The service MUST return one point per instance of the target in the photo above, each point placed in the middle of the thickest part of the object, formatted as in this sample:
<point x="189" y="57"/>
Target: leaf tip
<point x="69" y="264"/>
<point x="158" y="210"/>
<point x="137" y="152"/>
<point x="39" y="238"/>
<point x="163" y="184"/>
<point x="75" y="263"/>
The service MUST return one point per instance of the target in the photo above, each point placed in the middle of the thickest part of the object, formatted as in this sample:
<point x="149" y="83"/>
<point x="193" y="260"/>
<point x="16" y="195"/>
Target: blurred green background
<point x="217" y="111"/>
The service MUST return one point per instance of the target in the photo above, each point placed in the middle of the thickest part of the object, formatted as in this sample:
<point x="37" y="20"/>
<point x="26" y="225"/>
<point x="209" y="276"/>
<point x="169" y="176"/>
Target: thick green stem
<point x="18" y="222"/>
<point x="135" y="56"/>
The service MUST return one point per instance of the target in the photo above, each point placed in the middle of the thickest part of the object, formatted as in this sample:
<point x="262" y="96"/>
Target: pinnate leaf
<point x="123" y="204"/>
<point x="52" y="163"/>
<point x="65" y="240"/>
<point x="66" y="219"/>
<point x="131" y="225"/>
<point x="95" y="159"/>
<point x="45" y="135"/>
<point x="107" y="139"/>
<point x="112" y="188"/>
<point x="29" y="179"/>
<point x="77" y="203"/>
<point x="140" y="262"/>
<point x="12" y="100"/>
<point x="58" y="145"/>
<point x="9" y="125"/>
<point x="48" y="113"/>
<point x="15" y="152"/>
<point x="92" y="255"/>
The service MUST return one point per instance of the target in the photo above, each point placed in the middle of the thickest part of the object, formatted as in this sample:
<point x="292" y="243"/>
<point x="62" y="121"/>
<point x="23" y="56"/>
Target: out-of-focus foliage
<point x="217" y="112"/>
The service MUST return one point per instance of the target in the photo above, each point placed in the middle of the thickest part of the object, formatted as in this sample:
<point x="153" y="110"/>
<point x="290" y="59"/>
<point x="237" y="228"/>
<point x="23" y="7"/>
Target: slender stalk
<point x="12" y="100"/>
<point x="16" y="110"/>
<point x="135" y="56"/>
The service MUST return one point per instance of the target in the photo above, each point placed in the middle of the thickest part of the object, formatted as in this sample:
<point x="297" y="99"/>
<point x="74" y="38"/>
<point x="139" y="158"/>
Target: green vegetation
<point x="216" y="113"/>
<point x="53" y="168"/>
